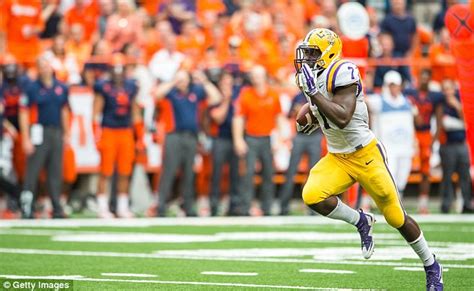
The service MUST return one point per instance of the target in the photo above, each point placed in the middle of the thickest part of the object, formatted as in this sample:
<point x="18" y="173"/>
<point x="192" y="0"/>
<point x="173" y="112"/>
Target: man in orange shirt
<point x="443" y="62"/>
<point x="20" y="26"/>
<point x="257" y="112"/>
<point x="84" y="14"/>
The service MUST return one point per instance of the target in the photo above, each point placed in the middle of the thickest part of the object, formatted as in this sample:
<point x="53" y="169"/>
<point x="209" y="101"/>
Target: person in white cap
<point x="392" y="120"/>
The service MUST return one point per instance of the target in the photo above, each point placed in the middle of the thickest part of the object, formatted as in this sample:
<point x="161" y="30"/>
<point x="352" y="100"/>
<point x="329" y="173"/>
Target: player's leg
<point x="125" y="160"/>
<point x="378" y="182"/>
<point x="327" y="179"/>
<point x="424" y="141"/>
<point x="108" y="152"/>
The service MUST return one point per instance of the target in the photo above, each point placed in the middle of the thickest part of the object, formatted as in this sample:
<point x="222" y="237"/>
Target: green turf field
<point x="308" y="253"/>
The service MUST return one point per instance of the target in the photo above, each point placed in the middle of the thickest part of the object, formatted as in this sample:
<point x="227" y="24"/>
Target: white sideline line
<point x="129" y="275"/>
<point x="414" y="269"/>
<point x="52" y="277"/>
<point x="262" y="260"/>
<point x="326" y="271"/>
<point x="228" y="273"/>
<point x="175" y="282"/>
<point x="218" y="221"/>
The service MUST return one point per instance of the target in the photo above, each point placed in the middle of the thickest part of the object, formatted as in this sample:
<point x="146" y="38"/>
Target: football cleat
<point x="365" y="226"/>
<point x="434" y="277"/>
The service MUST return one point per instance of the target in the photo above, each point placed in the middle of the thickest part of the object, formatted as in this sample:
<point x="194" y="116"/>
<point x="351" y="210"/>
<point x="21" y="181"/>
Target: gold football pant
<point x="335" y="173"/>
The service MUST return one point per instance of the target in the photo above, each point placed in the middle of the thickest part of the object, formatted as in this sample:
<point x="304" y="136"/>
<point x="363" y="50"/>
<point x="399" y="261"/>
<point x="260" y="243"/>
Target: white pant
<point x="400" y="167"/>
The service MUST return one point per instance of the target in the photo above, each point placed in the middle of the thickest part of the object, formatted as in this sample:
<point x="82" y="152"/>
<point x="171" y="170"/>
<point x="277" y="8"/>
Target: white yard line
<point x="228" y="273"/>
<point x="262" y="260"/>
<point x="128" y="275"/>
<point x="326" y="271"/>
<point x="217" y="221"/>
<point x="414" y="269"/>
<point x="52" y="277"/>
<point x="176" y="283"/>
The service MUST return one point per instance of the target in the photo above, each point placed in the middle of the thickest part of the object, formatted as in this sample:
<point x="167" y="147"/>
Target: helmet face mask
<point x="319" y="49"/>
<point x="306" y="54"/>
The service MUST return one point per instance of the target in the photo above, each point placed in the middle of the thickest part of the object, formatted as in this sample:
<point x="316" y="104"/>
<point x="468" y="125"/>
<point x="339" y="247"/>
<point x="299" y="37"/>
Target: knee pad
<point x="394" y="215"/>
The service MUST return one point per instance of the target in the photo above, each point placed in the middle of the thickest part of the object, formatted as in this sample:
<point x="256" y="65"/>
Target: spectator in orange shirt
<point x="443" y="63"/>
<point x="191" y="40"/>
<point x="85" y="15"/>
<point x="156" y="37"/>
<point x="21" y="25"/>
<point x="124" y="26"/>
<point x="207" y="11"/>
<point x="257" y="112"/>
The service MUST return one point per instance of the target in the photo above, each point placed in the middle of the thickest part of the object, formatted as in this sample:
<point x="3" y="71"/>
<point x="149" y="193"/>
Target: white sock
<point x="420" y="246"/>
<point x="122" y="203"/>
<point x="344" y="213"/>
<point x="103" y="202"/>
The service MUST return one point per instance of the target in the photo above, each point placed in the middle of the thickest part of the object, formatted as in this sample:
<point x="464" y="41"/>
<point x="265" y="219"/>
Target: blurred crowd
<point x="219" y="78"/>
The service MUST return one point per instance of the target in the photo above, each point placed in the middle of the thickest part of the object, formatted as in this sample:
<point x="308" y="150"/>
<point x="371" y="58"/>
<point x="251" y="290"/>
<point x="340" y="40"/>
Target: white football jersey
<point x="357" y="133"/>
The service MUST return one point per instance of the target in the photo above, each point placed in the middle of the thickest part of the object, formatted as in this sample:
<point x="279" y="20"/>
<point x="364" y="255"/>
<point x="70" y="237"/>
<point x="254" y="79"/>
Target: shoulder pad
<point x="341" y="73"/>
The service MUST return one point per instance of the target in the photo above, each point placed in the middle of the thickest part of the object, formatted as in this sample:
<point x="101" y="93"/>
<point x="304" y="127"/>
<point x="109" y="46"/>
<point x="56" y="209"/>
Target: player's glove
<point x="306" y="129"/>
<point x="307" y="81"/>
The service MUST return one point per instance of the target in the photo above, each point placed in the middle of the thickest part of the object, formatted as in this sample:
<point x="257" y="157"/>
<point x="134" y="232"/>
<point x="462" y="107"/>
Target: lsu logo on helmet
<point x="319" y="49"/>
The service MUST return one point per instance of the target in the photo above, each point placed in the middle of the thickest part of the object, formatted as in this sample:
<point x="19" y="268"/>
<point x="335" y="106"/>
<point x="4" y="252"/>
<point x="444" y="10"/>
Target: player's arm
<point x="340" y="109"/>
<point x="342" y="106"/>
<point x="138" y="124"/>
<point x="97" y="109"/>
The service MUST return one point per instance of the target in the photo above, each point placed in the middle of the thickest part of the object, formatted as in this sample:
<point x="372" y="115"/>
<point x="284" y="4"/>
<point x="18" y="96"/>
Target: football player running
<point x="333" y="88"/>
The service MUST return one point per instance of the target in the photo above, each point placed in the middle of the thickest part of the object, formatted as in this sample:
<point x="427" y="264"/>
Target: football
<point x="305" y="116"/>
